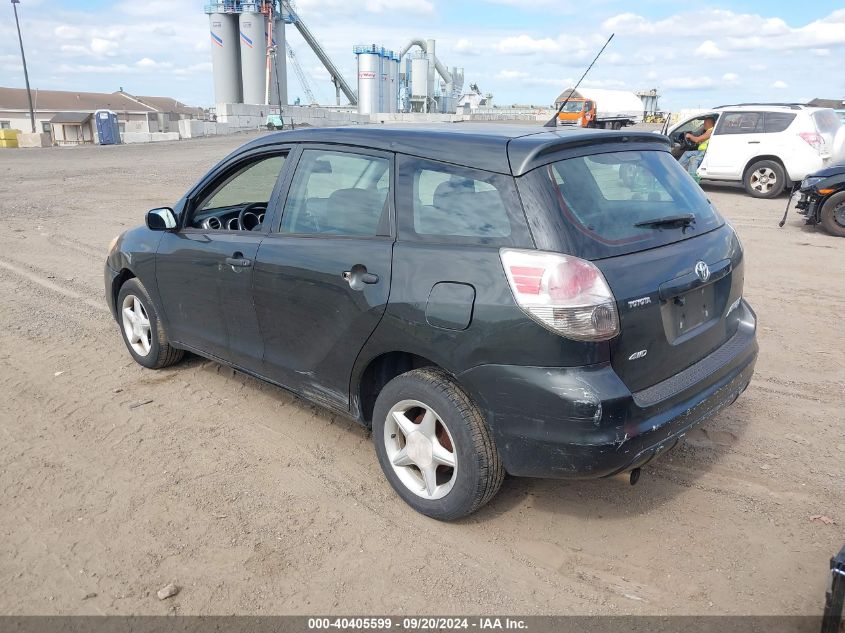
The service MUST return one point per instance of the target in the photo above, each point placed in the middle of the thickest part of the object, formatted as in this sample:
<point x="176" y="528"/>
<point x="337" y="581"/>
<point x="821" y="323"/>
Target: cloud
<point x="730" y="78"/>
<point x="689" y="83"/>
<point x="527" y="45"/>
<point x="780" y="85"/>
<point x="709" y="50"/>
<point x="466" y="47"/>
<point x="101" y="46"/>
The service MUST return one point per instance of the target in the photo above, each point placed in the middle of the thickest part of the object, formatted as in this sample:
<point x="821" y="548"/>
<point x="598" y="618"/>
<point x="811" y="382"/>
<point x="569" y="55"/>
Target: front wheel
<point x="433" y="445"/>
<point x="141" y="328"/>
<point x="765" y="179"/>
<point x="833" y="215"/>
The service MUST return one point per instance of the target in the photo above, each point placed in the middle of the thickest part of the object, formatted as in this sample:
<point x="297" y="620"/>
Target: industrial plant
<point x="250" y="55"/>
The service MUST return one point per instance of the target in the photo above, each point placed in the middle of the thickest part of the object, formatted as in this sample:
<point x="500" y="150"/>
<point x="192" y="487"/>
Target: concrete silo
<point x="369" y="78"/>
<point x="253" y="56"/>
<point x="384" y="89"/>
<point x="419" y="76"/>
<point x="392" y="83"/>
<point x="279" y="70"/>
<point x="225" y="57"/>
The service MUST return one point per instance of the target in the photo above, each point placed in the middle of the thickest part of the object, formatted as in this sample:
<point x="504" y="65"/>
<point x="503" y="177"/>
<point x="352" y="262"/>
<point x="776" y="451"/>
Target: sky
<point x="523" y="51"/>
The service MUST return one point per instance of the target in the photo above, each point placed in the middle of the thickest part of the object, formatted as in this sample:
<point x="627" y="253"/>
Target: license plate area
<point x="687" y="312"/>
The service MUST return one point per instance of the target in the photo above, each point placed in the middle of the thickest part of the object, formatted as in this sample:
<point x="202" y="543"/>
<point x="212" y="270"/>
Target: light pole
<point x="15" y="4"/>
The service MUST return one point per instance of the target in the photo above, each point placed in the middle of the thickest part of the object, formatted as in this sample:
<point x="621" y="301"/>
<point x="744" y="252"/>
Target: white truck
<point x="599" y="108"/>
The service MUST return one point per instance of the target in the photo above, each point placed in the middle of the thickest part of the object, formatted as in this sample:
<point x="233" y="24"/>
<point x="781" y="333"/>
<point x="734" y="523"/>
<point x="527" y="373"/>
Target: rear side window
<point x="778" y="121"/>
<point x="740" y="123"/>
<point x="600" y="202"/>
<point x="445" y="203"/>
<point x="826" y="121"/>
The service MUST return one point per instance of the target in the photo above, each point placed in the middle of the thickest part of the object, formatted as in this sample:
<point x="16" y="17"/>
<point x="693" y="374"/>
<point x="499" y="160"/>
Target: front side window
<point x="247" y="185"/>
<point x="253" y="183"/>
<point x="338" y="193"/>
<point x="446" y="203"/>
<point x="740" y="123"/>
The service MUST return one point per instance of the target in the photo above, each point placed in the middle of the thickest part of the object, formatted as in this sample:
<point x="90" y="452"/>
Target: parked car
<point x="766" y="147"/>
<point x="487" y="299"/>
<point x="822" y="199"/>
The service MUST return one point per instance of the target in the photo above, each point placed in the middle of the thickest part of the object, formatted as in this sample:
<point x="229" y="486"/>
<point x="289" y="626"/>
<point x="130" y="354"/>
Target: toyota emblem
<point x="703" y="271"/>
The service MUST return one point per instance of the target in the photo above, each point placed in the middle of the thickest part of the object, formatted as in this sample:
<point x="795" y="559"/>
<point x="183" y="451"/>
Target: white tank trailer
<point x="225" y="57"/>
<point x="253" y="56"/>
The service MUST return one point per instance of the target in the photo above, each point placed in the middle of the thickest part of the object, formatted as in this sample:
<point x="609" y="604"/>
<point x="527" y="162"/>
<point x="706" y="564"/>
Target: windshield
<point x="573" y="106"/>
<point x="621" y="202"/>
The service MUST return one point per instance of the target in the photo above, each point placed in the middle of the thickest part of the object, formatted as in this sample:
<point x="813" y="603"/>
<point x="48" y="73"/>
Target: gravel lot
<point x="117" y="480"/>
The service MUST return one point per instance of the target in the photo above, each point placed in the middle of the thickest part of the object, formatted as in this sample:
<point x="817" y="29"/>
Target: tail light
<point x="813" y="139"/>
<point x="566" y="295"/>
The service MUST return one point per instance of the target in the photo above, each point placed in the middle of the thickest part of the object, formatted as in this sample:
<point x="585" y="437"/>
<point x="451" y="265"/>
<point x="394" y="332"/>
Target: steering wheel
<point x="249" y="209"/>
<point x="684" y="142"/>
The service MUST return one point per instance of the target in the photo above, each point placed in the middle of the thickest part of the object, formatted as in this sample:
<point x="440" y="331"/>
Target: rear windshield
<point x="601" y="202"/>
<point x="826" y="121"/>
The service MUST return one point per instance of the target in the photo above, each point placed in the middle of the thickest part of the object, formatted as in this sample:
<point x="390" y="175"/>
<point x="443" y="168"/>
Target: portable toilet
<point x="108" y="130"/>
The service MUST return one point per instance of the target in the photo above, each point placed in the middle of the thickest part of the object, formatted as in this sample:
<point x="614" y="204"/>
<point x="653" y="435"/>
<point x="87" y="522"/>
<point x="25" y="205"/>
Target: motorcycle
<point x="822" y="199"/>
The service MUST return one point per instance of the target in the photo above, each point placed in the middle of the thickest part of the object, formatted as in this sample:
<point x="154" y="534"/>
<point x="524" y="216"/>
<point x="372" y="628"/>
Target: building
<point x="836" y="104"/>
<point x="135" y="114"/>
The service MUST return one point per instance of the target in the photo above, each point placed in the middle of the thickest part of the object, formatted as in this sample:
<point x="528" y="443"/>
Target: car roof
<point x="501" y="148"/>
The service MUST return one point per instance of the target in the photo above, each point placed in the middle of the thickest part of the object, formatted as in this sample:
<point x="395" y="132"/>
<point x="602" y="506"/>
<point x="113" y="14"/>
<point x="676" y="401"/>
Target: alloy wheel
<point x="763" y="179"/>
<point x="136" y="325"/>
<point x="839" y="214"/>
<point x="420" y="449"/>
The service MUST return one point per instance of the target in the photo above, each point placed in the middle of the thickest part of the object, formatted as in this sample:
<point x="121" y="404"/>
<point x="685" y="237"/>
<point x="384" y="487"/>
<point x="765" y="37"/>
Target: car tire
<point x="833" y="214"/>
<point x="422" y="422"/>
<point x="764" y="179"/>
<point x="141" y="328"/>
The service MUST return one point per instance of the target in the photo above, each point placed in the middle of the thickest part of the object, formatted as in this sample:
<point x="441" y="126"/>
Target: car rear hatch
<point x="673" y="264"/>
<point x="823" y="137"/>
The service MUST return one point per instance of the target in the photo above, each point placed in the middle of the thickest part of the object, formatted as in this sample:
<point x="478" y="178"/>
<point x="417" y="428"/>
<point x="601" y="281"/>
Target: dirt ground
<point x="117" y="480"/>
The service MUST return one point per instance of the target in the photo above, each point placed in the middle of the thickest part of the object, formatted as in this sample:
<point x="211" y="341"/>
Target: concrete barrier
<point x="39" y="139"/>
<point x="136" y="137"/>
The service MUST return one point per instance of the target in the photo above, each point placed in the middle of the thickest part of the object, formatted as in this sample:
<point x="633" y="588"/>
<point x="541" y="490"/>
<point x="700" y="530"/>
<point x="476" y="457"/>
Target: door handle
<point x="753" y="142"/>
<point x="358" y="276"/>
<point x="239" y="262"/>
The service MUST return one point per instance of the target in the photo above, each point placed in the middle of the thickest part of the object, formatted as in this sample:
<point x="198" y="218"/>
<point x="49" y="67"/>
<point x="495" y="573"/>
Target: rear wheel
<point x="765" y="179"/>
<point x="433" y="445"/>
<point x="141" y="329"/>
<point x="833" y="215"/>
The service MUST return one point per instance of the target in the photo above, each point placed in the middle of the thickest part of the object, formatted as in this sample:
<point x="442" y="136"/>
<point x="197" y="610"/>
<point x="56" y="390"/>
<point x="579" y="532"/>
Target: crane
<point x="303" y="80"/>
<point x="292" y="17"/>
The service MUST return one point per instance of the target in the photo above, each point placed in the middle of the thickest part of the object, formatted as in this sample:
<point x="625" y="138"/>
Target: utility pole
<point x="15" y="4"/>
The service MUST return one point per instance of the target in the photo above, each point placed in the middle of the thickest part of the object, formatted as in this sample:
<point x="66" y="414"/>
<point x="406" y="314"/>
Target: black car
<point x="822" y="199"/>
<point x="487" y="299"/>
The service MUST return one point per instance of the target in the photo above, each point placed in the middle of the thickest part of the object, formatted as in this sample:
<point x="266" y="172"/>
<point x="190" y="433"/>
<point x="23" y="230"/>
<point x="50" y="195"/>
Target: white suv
<point x="764" y="146"/>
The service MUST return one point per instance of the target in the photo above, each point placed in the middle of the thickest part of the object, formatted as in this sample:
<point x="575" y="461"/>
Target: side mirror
<point x="163" y="219"/>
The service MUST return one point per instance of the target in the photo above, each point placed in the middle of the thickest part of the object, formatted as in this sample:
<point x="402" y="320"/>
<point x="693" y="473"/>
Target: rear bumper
<point x="582" y="422"/>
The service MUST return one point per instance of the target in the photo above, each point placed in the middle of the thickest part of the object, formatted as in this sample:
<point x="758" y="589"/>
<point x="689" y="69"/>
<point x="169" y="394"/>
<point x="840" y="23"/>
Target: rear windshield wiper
<point x="684" y="220"/>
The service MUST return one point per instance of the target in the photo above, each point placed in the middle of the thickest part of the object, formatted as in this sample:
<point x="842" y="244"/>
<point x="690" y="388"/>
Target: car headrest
<point x="453" y="186"/>
<point x="354" y="211"/>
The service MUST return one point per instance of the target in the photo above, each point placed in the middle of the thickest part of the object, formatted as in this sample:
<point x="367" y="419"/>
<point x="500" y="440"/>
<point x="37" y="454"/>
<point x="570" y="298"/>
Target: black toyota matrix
<point x="487" y="299"/>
